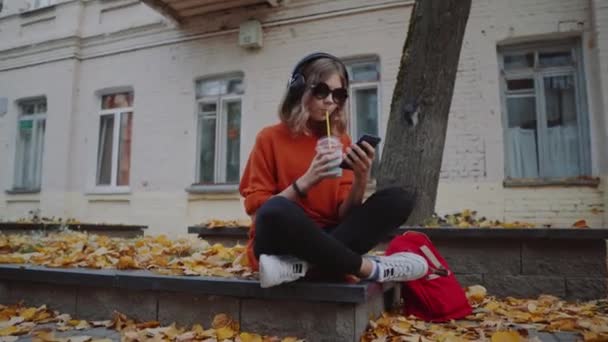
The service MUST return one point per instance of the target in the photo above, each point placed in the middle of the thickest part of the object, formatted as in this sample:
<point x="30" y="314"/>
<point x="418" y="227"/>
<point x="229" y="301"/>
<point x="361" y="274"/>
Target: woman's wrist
<point x="299" y="192"/>
<point x="360" y="181"/>
<point x="304" y="183"/>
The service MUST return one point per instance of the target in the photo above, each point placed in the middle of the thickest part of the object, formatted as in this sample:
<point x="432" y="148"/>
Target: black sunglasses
<point x="322" y="90"/>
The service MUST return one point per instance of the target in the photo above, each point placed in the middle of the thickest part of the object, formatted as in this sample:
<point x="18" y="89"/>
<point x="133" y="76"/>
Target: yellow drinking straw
<point x="328" y="128"/>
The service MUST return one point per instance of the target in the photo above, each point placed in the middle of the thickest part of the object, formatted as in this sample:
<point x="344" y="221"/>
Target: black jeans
<point x="282" y="227"/>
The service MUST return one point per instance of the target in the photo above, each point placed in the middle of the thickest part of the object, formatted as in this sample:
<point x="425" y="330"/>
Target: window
<point x="42" y="3"/>
<point x="545" y="121"/>
<point x="30" y="145"/>
<point x="219" y="130"/>
<point x="364" y="106"/>
<point x="114" y="140"/>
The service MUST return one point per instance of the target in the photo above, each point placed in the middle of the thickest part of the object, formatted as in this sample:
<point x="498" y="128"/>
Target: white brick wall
<point x="560" y="207"/>
<point x="473" y="162"/>
<point x="161" y="65"/>
<point x="475" y="129"/>
<point x="55" y="82"/>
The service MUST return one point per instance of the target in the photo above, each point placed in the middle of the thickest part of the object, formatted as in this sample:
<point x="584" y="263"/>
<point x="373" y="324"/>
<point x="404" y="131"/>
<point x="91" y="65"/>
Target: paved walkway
<point x="115" y="335"/>
<point x="95" y="333"/>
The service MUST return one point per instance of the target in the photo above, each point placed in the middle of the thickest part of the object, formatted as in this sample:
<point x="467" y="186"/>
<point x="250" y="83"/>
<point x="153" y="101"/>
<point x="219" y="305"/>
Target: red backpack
<point x="431" y="298"/>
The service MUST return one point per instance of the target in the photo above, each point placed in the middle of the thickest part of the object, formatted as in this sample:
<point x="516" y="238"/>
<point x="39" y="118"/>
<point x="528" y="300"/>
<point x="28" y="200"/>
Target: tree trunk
<point x="418" y="121"/>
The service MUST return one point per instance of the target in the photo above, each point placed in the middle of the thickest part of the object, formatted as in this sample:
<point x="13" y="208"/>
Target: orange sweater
<point x="277" y="159"/>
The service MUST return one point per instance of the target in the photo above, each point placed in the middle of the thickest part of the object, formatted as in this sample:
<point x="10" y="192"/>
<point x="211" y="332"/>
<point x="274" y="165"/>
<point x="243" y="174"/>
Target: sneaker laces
<point x="391" y="267"/>
<point x="402" y="266"/>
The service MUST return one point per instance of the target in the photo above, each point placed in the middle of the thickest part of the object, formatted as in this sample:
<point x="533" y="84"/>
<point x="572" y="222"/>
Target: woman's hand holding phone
<point x="360" y="156"/>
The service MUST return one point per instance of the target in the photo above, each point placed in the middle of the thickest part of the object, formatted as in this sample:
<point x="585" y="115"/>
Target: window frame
<point x="353" y="104"/>
<point x="538" y="74"/>
<point x="364" y="85"/>
<point x="36" y="150"/>
<point x="221" y="102"/>
<point x="116" y="114"/>
<point x="355" y="86"/>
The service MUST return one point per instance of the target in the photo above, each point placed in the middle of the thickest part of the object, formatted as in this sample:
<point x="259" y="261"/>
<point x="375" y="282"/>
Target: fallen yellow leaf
<point x="506" y="336"/>
<point x="220" y="320"/>
<point x="224" y="333"/>
<point x="476" y="293"/>
<point x="28" y="313"/>
<point x="10" y="330"/>
<point x="401" y="328"/>
<point x="247" y="337"/>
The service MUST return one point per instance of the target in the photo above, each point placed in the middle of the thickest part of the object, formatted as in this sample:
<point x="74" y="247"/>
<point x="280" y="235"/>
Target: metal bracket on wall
<point x="3" y="100"/>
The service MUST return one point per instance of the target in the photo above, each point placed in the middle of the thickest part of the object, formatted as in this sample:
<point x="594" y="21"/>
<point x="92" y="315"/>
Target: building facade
<point x="121" y="111"/>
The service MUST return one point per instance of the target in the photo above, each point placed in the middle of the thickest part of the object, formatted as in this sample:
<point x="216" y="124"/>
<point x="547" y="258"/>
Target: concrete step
<point x="317" y="311"/>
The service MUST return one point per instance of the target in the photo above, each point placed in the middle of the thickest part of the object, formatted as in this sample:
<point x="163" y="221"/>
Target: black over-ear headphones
<point x="297" y="81"/>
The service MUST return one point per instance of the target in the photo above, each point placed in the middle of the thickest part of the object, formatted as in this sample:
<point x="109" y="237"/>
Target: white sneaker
<point x="402" y="266"/>
<point x="277" y="269"/>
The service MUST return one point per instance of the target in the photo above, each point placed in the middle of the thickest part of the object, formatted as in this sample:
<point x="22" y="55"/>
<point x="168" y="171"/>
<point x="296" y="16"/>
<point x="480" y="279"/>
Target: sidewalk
<point x="95" y="333"/>
<point x="104" y="333"/>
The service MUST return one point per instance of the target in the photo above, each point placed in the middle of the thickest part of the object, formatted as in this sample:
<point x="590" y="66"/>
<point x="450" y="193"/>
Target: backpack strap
<point x="434" y="261"/>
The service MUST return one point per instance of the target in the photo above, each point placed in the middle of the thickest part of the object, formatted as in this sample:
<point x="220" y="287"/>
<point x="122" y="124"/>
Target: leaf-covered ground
<point x="499" y="320"/>
<point x="494" y="320"/>
<point x="45" y="325"/>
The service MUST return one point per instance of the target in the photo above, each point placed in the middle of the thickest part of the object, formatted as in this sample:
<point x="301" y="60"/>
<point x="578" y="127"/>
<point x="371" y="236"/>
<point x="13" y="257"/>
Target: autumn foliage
<point x="499" y="320"/>
<point x="184" y="256"/>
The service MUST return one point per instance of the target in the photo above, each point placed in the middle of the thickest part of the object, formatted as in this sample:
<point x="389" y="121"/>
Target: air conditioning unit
<point x="251" y="34"/>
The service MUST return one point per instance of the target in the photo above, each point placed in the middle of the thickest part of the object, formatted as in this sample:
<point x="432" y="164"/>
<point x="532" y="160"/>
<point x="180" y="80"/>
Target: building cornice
<point x="153" y="35"/>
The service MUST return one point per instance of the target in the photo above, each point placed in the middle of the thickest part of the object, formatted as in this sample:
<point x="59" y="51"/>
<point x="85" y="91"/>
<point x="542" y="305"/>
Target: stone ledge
<point x="448" y="233"/>
<point x="568" y="258"/>
<point x="314" y="321"/>
<point x="237" y="232"/>
<point x="112" y="230"/>
<point x="524" y="286"/>
<point x="73" y="226"/>
<point x="513" y="233"/>
<point x="231" y="287"/>
<point x="586" y="288"/>
<point x="332" y="312"/>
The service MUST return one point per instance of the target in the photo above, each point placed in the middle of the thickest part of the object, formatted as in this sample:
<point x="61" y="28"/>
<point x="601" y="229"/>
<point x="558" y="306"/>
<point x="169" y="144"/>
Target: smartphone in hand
<point x="368" y="138"/>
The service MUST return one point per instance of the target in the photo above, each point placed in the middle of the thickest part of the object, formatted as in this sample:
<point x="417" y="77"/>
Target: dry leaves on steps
<point x="17" y="320"/>
<point x="182" y="256"/>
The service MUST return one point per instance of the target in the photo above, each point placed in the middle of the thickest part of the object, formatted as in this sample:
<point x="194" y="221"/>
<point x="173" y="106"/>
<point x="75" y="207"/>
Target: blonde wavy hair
<point x="293" y="110"/>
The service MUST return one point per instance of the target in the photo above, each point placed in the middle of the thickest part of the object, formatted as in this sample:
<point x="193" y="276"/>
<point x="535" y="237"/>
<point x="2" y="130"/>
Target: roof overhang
<point x="180" y="10"/>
